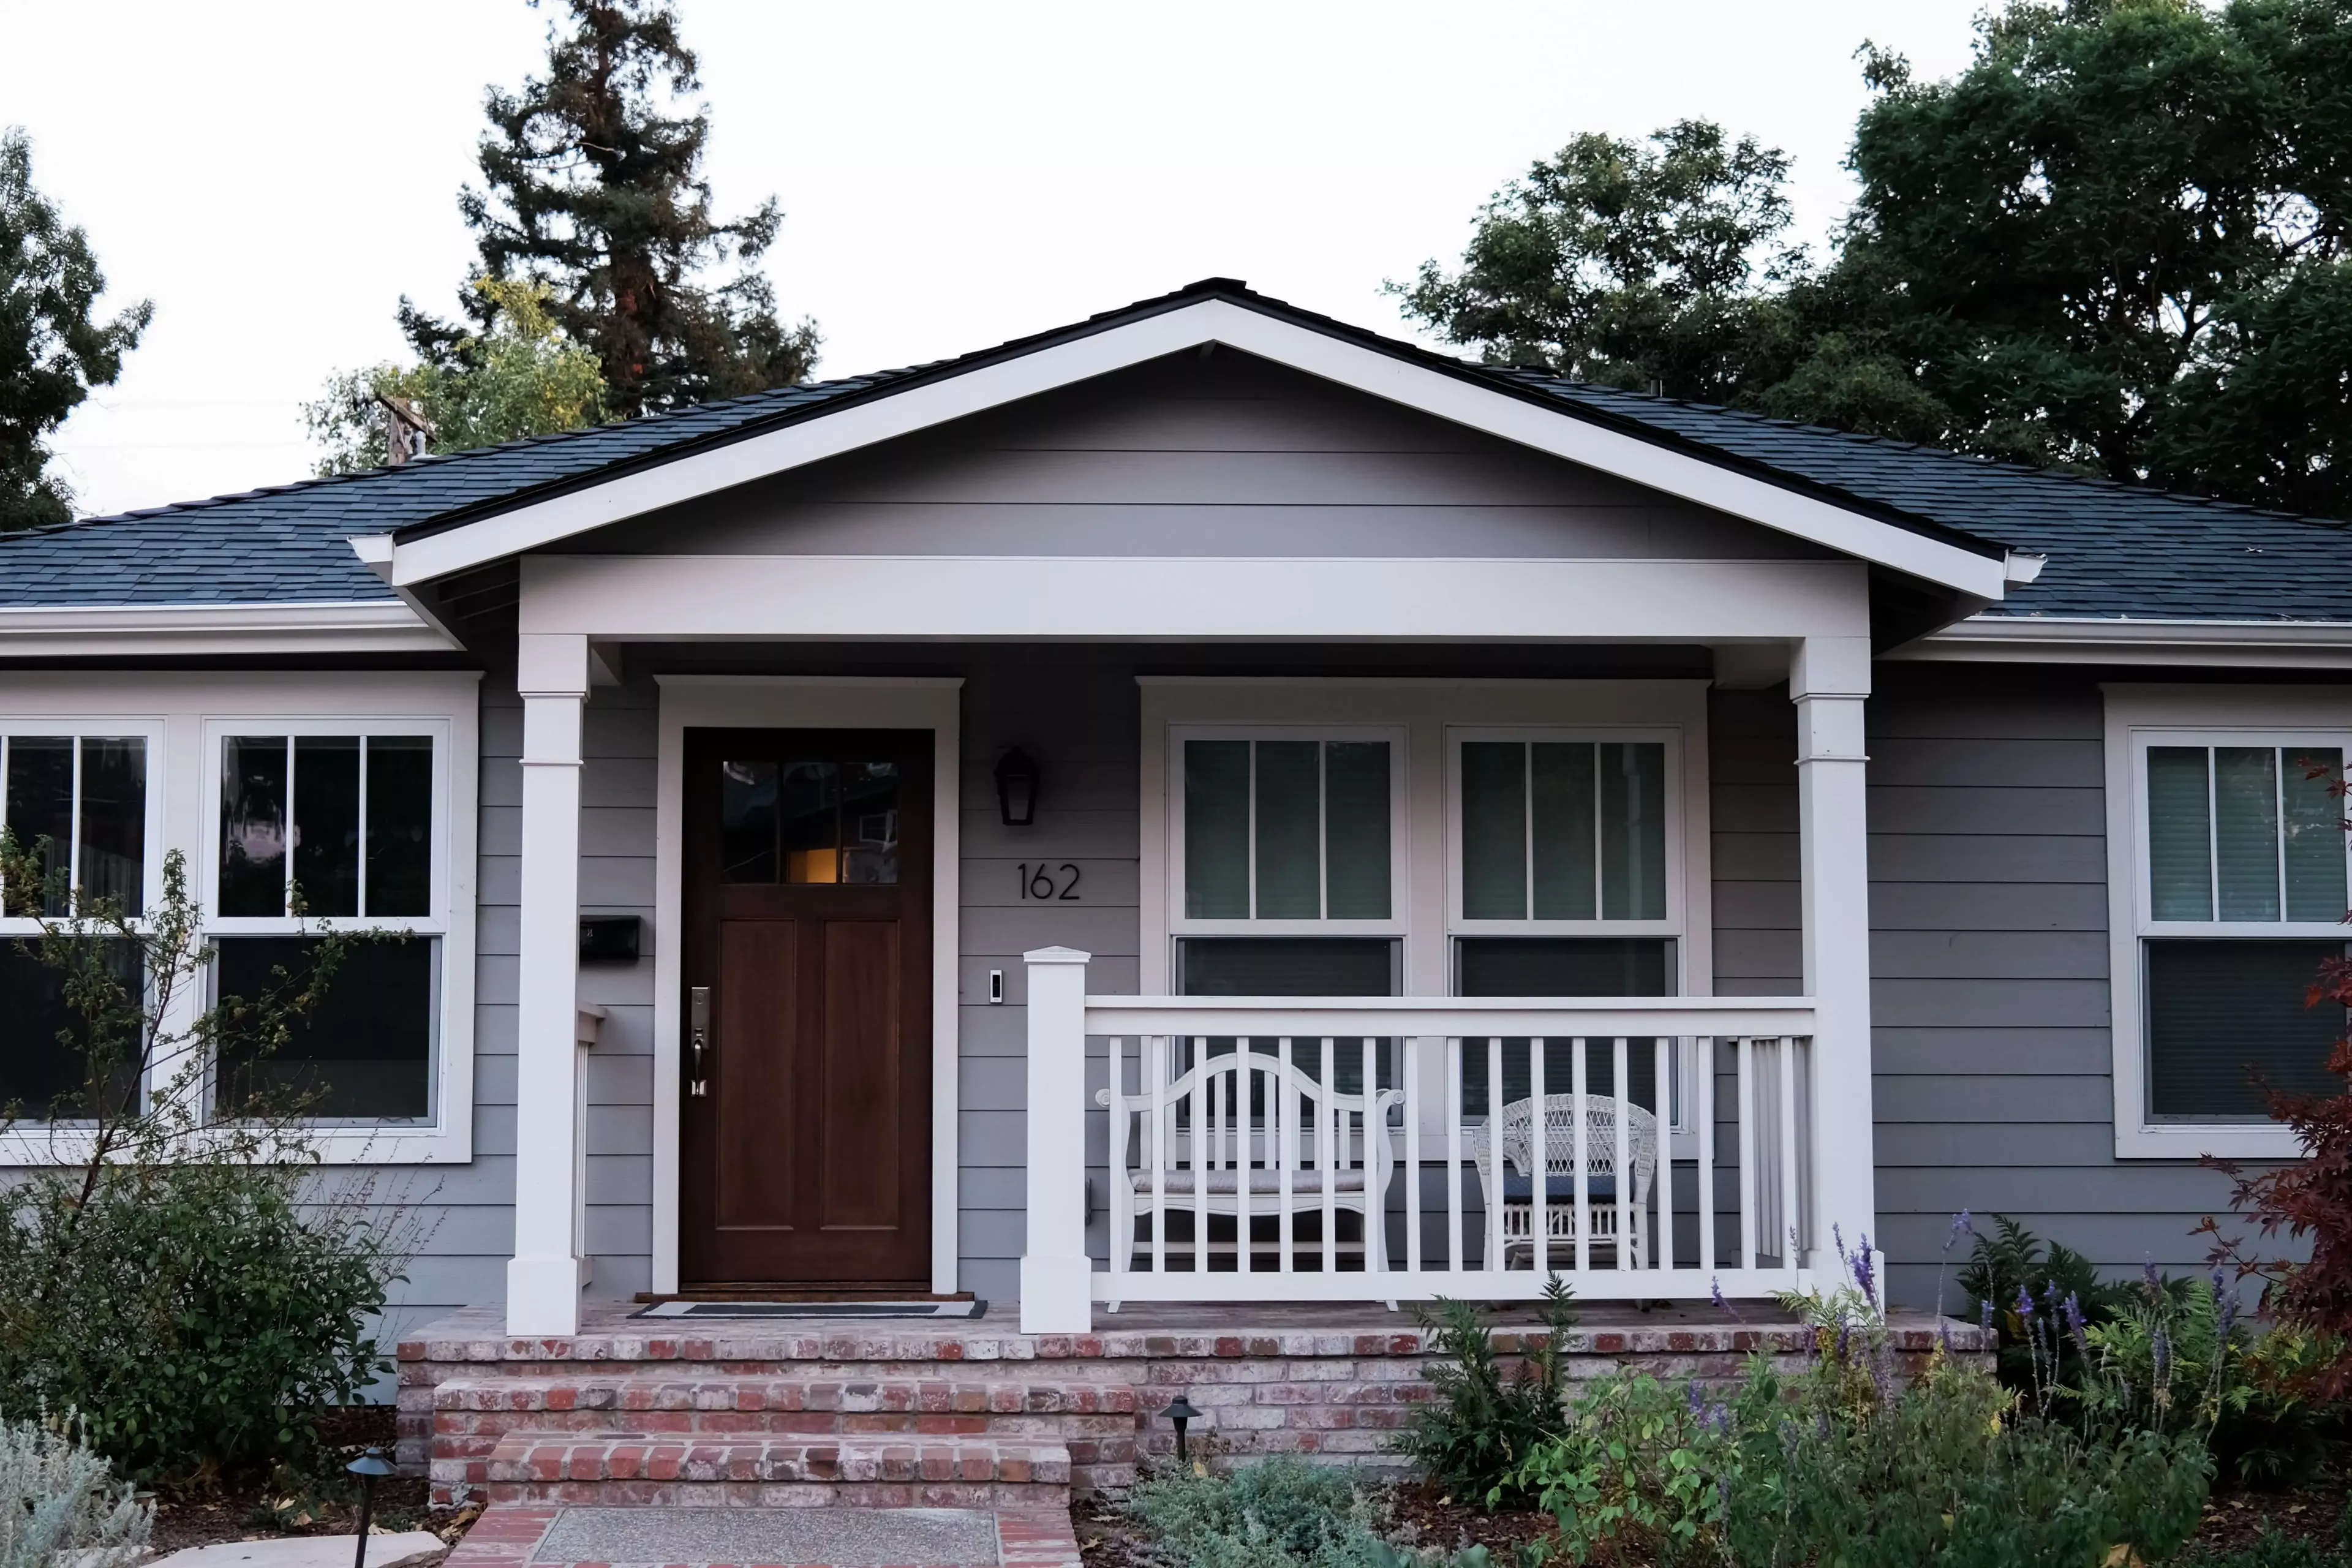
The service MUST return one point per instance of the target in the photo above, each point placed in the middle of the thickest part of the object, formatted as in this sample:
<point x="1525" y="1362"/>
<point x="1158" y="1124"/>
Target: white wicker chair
<point x="1515" y="1191"/>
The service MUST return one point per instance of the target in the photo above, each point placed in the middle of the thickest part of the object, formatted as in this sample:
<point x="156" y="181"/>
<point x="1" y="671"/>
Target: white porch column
<point x="543" y="1278"/>
<point x="1056" y="1276"/>
<point x="1829" y="679"/>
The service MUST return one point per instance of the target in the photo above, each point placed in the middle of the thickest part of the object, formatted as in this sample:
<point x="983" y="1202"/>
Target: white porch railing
<point x="1320" y="1149"/>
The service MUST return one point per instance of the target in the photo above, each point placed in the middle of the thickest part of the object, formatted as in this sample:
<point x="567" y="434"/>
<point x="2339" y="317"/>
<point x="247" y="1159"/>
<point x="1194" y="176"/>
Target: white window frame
<point x="1397" y="922"/>
<point x="2139" y="717"/>
<point x="183" y="713"/>
<point x="148" y="728"/>
<point x="1423" y="879"/>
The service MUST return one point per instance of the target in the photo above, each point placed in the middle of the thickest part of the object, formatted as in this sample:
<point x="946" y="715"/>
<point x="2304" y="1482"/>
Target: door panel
<point x="806" y="1140"/>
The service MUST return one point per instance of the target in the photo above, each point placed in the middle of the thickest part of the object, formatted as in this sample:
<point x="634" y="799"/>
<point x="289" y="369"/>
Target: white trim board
<point x="2258" y="711"/>
<point x="806" y="702"/>
<point x="72" y="631"/>
<point x="1560" y="431"/>
<point x="1127" y="598"/>
<point x="2120" y="640"/>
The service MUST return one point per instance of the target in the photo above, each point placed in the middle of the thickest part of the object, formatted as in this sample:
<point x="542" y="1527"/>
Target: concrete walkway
<point x="510" y="1536"/>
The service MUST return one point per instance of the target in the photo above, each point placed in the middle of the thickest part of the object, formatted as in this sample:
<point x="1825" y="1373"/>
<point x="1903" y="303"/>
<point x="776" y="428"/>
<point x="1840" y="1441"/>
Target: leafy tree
<point x="523" y="377"/>
<point x="51" y="350"/>
<point x="593" y="186"/>
<point x="1643" y="267"/>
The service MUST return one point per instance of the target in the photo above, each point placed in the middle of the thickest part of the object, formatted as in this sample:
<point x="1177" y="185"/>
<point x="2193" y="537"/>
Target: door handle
<point x="699" y="1045"/>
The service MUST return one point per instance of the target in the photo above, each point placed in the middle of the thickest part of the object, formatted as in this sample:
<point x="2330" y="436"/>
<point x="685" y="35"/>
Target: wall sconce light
<point x="1017" y="788"/>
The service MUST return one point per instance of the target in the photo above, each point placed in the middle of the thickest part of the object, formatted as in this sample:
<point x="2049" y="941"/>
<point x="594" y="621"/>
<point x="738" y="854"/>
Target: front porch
<point x="802" y="1412"/>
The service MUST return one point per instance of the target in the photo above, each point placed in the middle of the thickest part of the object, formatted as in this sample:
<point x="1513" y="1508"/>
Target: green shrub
<point x="1472" y="1437"/>
<point x="60" y="1504"/>
<point x="1282" y="1513"/>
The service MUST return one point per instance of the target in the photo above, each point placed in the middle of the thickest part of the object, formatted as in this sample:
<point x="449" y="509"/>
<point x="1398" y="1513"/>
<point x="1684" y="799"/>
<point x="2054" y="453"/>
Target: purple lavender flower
<point x="1984" y="1314"/>
<point x="1865" y="1273"/>
<point x="1715" y="1288"/>
<point x="2074" y="1326"/>
<point x="2163" y="1352"/>
<point x="2147" y="1274"/>
<point x="1697" y="1401"/>
<point x="2025" y="1303"/>
<point x="1844" y="1339"/>
<point x="1960" y="1222"/>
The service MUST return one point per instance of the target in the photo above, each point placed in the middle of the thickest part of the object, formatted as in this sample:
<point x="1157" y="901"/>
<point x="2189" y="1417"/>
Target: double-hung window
<point x="333" y="826"/>
<point x="1565" y="880"/>
<point x="2232" y="896"/>
<point x="77" y="799"/>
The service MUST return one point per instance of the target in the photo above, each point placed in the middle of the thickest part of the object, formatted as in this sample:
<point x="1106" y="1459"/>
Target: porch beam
<point x="1829" y="680"/>
<point x="544" y="1276"/>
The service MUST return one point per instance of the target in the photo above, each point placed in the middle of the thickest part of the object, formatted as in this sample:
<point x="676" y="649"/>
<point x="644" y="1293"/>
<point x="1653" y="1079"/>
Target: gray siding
<point x="1227" y="457"/>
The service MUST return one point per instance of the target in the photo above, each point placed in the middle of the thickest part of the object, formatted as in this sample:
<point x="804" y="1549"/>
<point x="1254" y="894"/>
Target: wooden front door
<point x="807" y="1111"/>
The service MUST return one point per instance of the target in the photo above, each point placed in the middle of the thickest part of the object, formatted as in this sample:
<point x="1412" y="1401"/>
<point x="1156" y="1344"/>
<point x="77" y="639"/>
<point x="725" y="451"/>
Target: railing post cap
<point x="1056" y="955"/>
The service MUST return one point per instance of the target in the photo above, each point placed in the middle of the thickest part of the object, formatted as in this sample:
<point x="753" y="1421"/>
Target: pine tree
<point x="593" y="186"/>
<point x="51" y="351"/>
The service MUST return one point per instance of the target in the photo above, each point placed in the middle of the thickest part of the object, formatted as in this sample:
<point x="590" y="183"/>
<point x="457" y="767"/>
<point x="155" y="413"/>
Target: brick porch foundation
<point x="807" y="1411"/>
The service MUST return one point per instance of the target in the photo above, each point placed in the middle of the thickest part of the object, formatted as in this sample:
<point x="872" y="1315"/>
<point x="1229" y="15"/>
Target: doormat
<point x="932" y="1310"/>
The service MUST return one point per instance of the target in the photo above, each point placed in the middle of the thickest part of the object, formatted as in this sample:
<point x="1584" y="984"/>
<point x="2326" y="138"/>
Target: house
<point x="806" y="801"/>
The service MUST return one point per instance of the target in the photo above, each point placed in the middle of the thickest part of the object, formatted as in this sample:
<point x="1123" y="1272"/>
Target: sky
<point x="275" y="175"/>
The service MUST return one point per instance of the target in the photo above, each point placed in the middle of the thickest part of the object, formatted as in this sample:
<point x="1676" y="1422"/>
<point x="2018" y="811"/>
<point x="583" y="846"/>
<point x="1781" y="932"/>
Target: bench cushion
<point x="1557" y="1189"/>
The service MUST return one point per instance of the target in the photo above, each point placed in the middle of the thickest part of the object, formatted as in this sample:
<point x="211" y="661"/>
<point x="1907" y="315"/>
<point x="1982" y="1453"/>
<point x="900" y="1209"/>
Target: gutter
<point x="101" y="631"/>
<point x="2127" y="640"/>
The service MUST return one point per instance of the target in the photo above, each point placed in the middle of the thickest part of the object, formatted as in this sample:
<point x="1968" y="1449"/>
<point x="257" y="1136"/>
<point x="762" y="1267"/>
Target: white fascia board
<point x="1558" y="431"/>
<point x="80" y="631"/>
<point x="2086" y="639"/>
<point x="1203" y="598"/>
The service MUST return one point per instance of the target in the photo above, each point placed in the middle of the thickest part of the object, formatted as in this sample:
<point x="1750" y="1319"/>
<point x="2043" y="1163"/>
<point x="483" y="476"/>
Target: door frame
<point x="804" y="702"/>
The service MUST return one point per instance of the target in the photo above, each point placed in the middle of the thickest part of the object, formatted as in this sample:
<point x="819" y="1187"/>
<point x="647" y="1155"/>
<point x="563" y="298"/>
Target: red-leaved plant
<point x="2310" y="1198"/>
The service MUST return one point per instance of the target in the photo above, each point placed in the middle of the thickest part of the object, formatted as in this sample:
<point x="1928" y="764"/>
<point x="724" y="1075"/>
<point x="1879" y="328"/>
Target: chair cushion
<point x="1559" y="1188"/>
<point x="1267" y="1182"/>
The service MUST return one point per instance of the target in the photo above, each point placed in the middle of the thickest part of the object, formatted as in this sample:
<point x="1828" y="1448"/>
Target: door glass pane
<point x="2221" y="1010"/>
<point x="400" y="825"/>
<point x="1564" y="844"/>
<point x="2314" y="835"/>
<point x="1216" y="830"/>
<point x="2245" y="831"/>
<point x="1493" y="830"/>
<point x="1633" y="831"/>
<point x="40" y="807"/>
<point x="1289" y="831"/>
<point x="2179" y="852"/>
<point x="1356" y="831"/>
<point x="869" y="815"/>
<point x="747" y="821"/>
<point x="808" y="817"/>
<point x="326" y="824"/>
<point x="114" y="820"/>
<point x="253" y="825"/>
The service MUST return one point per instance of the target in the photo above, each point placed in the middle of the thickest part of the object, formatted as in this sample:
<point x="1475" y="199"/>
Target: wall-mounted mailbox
<point x="611" y="939"/>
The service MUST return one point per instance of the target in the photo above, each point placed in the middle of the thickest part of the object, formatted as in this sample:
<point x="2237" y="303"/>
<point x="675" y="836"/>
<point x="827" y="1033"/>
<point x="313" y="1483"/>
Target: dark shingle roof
<point x="2113" y="550"/>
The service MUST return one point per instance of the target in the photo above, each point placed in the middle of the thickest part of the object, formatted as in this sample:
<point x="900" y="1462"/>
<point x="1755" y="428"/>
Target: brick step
<point x="778" y="1403"/>
<point x="885" y="1470"/>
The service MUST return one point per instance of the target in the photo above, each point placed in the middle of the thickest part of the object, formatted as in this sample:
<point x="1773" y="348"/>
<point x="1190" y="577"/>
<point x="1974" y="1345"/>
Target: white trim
<point x="2113" y="640"/>
<point x="864" y="598"/>
<point x="2135" y="715"/>
<point x="184" y="806"/>
<point x="807" y="703"/>
<point x="1557" y="430"/>
<point x="69" y="631"/>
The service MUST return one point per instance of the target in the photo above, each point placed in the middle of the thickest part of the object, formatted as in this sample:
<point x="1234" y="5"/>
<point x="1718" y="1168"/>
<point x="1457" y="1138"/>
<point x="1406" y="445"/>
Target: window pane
<point x="1562" y="966"/>
<point x="326" y="824"/>
<point x="400" y="825"/>
<point x="747" y="821"/>
<point x="40" y="807"/>
<point x="2314" y="835"/>
<point x="1216" y="830"/>
<point x="2179" y="852"/>
<point x="869" y="813"/>
<point x="1564" y="844"/>
<point x="2220" y="1010"/>
<point x="1289" y="831"/>
<point x="1355" y="835"/>
<point x="1633" y="831"/>
<point x="366" y="1054"/>
<point x="42" y="1076"/>
<point x="1292" y="966"/>
<point x="808" y="813"/>
<point x="2245" y="831"/>
<point x="114" y="820"/>
<point x="1493" y="830"/>
<point x="253" y="825"/>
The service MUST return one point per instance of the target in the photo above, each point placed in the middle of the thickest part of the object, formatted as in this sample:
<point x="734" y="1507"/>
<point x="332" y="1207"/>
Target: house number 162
<point x="1037" y="882"/>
